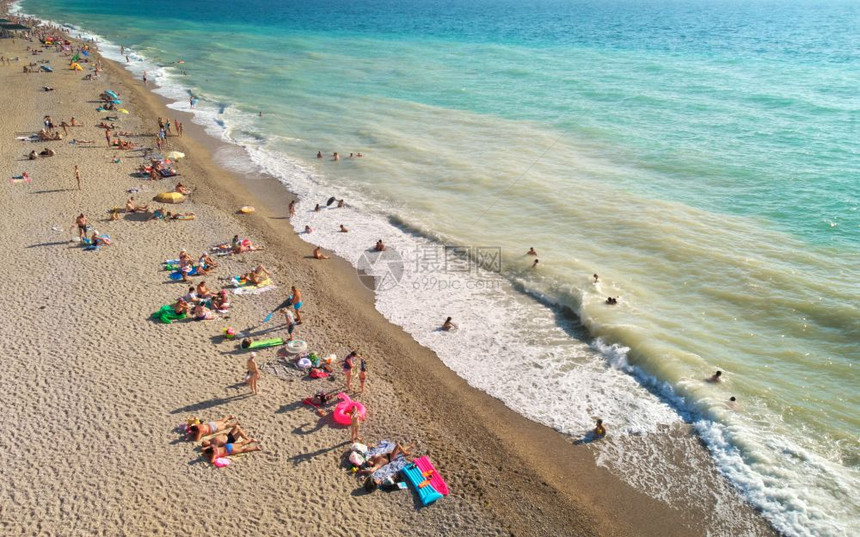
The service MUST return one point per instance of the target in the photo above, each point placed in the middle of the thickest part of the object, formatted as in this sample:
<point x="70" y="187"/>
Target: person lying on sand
<point x="212" y="427"/>
<point x="231" y="437"/>
<point x="47" y="152"/>
<point x="95" y="240"/>
<point x="235" y="448"/>
<point x="157" y="214"/>
<point x="181" y="216"/>
<point x="378" y="461"/>
<point x="258" y="275"/>
<point x="130" y="206"/>
<point x="182" y="189"/>
<point x="76" y="141"/>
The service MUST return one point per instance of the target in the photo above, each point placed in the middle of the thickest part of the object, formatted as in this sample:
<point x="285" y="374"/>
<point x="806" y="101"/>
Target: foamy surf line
<point x="486" y="351"/>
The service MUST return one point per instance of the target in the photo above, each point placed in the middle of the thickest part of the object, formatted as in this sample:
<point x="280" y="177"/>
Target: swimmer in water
<point x="531" y="251"/>
<point x="535" y="264"/>
<point x="596" y="279"/>
<point x="308" y="229"/>
<point x="599" y="429"/>
<point x="343" y="229"/>
<point x="448" y="325"/>
<point x="611" y="301"/>
<point x="717" y="377"/>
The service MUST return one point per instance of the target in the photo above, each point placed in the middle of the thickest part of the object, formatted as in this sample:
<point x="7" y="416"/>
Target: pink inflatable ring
<point x="341" y="411"/>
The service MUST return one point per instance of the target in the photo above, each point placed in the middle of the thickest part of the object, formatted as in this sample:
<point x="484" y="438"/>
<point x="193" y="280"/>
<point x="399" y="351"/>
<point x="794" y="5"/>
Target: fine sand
<point x="93" y="390"/>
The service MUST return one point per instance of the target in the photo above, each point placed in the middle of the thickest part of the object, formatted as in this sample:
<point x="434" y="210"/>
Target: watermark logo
<point x="380" y="271"/>
<point x="431" y="266"/>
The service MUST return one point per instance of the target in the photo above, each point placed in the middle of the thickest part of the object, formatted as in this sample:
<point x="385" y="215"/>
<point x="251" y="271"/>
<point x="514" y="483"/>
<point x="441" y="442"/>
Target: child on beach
<point x="362" y="375"/>
<point x="253" y="373"/>
<point x="599" y="429"/>
<point x="355" y="421"/>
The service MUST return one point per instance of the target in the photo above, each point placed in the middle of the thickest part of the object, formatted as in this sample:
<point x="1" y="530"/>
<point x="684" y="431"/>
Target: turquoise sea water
<point x="702" y="157"/>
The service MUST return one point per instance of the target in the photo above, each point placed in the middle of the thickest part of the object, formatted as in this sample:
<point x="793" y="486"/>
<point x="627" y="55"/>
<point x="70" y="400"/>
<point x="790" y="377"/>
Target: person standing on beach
<point x="292" y="208"/>
<point x="354" y="423"/>
<point x="290" y="321"/>
<point x="348" y="366"/>
<point x="78" y="176"/>
<point x="253" y="373"/>
<point x="107" y="137"/>
<point x="296" y="301"/>
<point x="362" y="375"/>
<point x="144" y="78"/>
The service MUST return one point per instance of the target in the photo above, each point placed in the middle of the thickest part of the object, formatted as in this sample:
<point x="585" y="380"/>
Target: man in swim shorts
<point x="296" y="301"/>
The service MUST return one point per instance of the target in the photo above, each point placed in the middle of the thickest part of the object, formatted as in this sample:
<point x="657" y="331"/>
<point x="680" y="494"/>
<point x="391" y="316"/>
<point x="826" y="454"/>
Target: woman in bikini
<point x="233" y="435"/>
<point x="378" y="461"/>
<point x="211" y="427"/>
<point x="233" y="448"/>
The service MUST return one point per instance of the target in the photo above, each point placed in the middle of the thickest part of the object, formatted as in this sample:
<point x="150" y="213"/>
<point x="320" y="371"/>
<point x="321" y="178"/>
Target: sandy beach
<point x="94" y="390"/>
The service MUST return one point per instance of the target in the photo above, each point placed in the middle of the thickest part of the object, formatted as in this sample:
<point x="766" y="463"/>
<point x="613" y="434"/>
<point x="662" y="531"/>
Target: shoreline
<point x="548" y="469"/>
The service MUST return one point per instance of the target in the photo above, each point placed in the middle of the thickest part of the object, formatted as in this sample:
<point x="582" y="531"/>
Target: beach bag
<point x="359" y="447"/>
<point x="356" y="459"/>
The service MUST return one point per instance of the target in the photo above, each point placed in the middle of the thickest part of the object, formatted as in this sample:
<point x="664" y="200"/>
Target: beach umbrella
<point x="169" y="197"/>
<point x="175" y="155"/>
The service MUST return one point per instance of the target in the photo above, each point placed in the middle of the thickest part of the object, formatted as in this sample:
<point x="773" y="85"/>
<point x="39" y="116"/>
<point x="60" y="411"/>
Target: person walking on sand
<point x="362" y="374"/>
<point x="354" y="423"/>
<point x="78" y="176"/>
<point x="295" y="300"/>
<point x="292" y="208"/>
<point x="253" y="373"/>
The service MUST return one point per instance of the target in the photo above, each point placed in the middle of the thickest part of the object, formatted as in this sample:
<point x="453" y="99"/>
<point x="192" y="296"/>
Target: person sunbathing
<point x="318" y="253"/>
<point x="235" y="448"/>
<point x="123" y="144"/>
<point x="130" y="206"/>
<point x="47" y="152"/>
<point x="207" y="261"/>
<point x="181" y="216"/>
<point x="182" y="189"/>
<point x="378" y="461"/>
<point x="157" y="214"/>
<point x="76" y="141"/>
<point x="203" y="291"/>
<point x="180" y="307"/>
<point x="95" y="240"/>
<point x="231" y="437"/>
<point x="220" y="302"/>
<point x="211" y="427"/>
<point x="202" y="313"/>
<point x="258" y="275"/>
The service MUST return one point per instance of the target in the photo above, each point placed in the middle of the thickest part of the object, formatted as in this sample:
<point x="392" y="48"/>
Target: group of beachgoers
<point x="220" y="439"/>
<point x="336" y="155"/>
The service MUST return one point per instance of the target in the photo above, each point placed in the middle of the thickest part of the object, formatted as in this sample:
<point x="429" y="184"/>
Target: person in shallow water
<point x="716" y="377"/>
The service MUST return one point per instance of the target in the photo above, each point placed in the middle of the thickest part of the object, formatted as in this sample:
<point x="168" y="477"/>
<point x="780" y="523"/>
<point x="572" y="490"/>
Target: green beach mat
<point x="263" y="343"/>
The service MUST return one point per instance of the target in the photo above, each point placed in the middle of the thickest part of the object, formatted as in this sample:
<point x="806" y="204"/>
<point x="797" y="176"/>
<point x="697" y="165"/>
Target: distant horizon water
<point x="700" y="157"/>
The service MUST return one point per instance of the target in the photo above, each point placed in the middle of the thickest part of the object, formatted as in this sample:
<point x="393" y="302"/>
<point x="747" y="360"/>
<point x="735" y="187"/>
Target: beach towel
<point x="241" y="287"/>
<point x="390" y="469"/>
<point x="384" y="446"/>
<point x="166" y="314"/>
